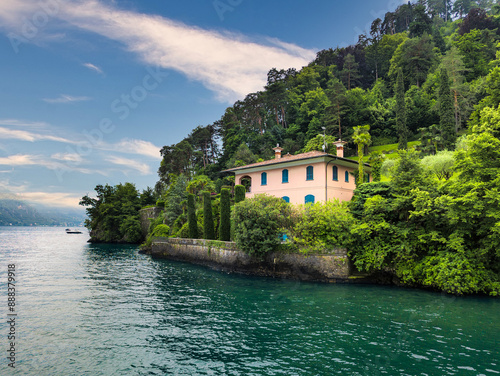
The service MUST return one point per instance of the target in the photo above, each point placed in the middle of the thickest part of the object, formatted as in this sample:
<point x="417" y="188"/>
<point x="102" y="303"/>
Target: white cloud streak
<point x="231" y="65"/>
<point x="16" y="134"/>
<point x="23" y="123"/>
<point x="24" y="160"/>
<point x="133" y="146"/>
<point x="93" y="67"/>
<point x="131" y="164"/>
<point x="64" y="98"/>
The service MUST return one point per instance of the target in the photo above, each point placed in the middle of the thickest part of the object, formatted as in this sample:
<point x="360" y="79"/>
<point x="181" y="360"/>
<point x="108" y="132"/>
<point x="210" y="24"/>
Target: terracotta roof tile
<point x="287" y="158"/>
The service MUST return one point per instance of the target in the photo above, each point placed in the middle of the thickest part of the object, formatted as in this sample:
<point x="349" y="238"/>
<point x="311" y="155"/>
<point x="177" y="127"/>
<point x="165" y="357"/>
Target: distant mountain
<point x="19" y="213"/>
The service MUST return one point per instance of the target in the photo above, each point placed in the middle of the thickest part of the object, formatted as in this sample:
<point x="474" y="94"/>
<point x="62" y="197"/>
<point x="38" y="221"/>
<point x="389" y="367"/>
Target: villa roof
<point x="290" y="158"/>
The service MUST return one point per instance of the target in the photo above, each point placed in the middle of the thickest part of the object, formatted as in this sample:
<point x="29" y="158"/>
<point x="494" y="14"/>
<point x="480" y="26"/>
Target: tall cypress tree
<point x="446" y="112"/>
<point x="401" y="127"/>
<point x="208" y="219"/>
<point x="225" y="215"/>
<point x="192" y="223"/>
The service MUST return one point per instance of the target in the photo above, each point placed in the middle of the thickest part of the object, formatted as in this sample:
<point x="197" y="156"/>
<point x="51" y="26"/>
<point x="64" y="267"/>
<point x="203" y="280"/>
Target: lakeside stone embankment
<point x="333" y="267"/>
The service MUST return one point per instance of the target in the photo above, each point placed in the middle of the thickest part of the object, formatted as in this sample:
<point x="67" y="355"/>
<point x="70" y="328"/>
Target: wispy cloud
<point x="93" y="67"/>
<point x="64" y="98"/>
<point x="68" y="157"/>
<point x="16" y="134"/>
<point x="143" y="168"/>
<point x="133" y="146"/>
<point x="231" y="65"/>
<point x="51" y="198"/>
<point x="23" y="160"/>
<point x="23" y="123"/>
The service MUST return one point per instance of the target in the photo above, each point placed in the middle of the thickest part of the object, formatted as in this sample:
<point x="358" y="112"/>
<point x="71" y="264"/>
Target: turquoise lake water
<point x="106" y="310"/>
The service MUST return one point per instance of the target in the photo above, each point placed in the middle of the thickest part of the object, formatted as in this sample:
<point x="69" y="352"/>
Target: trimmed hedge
<point x="225" y="215"/>
<point x="239" y="193"/>
<point x="208" y="219"/>
<point x="192" y="223"/>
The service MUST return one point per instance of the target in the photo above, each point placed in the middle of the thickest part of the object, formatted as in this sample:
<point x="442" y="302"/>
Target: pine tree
<point x="225" y="215"/>
<point x="446" y="112"/>
<point x="208" y="219"/>
<point x="401" y="127"/>
<point x="192" y="223"/>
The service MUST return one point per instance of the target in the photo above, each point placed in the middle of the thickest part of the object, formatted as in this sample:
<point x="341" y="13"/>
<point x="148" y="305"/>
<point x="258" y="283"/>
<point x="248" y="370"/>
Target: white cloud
<point x="50" y="198"/>
<point x="93" y="67"/>
<point x="133" y="146"/>
<point x="68" y="157"/>
<point x="143" y="168"/>
<point x="23" y="123"/>
<point x="15" y="134"/>
<point x="64" y="98"/>
<point x="231" y="65"/>
<point x="22" y="160"/>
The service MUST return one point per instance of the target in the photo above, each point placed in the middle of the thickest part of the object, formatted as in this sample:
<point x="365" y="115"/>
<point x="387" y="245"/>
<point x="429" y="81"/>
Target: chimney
<point x="277" y="151"/>
<point x="340" y="147"/>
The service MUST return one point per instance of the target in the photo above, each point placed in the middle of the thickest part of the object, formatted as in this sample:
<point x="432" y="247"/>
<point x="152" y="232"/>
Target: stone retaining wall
<point x="224" y="255"/>
<point x="145" y="215"/>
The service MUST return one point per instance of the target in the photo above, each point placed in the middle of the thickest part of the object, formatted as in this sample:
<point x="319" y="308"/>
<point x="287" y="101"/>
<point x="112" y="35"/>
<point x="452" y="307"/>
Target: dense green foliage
<point x="260" y="223"/>
<point x="208" y="219"/>
<point x="323" y="226"/>
<point x="225" y="215"/>
<point x="428" y="227"/>
<point x="113" y="216"/>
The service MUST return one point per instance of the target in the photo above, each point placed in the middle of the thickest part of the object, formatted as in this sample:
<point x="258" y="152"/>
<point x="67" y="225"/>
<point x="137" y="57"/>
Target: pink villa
<point x="302" y="178"/>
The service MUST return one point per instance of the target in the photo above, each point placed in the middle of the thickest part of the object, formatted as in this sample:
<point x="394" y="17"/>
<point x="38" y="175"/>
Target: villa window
<point x="310" y="173"/>
<point x="263" y="178"/>
<point x="367" y="178"/>
<point x="284" y="176"/>
<point x="347" y="176"/>
<point x="286" y="198"/>
<point x="335" y="173"/>
<point x="309" y="199"/>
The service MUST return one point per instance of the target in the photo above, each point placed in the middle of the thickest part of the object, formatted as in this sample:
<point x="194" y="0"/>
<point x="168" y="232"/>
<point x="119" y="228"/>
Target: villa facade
<point x="303" y="178"/>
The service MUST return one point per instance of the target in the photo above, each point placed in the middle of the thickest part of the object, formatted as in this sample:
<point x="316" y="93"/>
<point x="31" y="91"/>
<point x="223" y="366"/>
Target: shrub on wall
<point x="192" y="222"/>
<point x="239" y="193"/>
<point x="225" y="215"/>
<point x="208" y="220"/>
<point x="323" y="226"/>
<point x="259" y="223"/>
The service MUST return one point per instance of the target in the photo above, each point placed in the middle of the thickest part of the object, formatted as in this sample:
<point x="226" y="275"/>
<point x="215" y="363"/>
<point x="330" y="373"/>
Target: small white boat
<point x="68" y="231"/>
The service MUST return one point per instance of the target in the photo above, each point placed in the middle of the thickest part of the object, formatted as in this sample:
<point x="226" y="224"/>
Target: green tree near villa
<point x="361" y="138"/>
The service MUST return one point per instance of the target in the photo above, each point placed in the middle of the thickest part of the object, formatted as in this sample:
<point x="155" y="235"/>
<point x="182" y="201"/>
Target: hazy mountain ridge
<point x="19" y="213"/>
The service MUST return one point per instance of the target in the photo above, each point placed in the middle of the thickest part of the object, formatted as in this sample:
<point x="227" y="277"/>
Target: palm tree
<point x="362" y="138"/>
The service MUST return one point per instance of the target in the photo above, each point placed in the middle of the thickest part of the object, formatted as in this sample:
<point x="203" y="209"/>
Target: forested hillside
<point x="446" y="52"/>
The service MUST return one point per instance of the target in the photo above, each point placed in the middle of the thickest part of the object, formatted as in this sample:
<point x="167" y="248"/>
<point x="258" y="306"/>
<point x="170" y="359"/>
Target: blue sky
<point x="90" y="90"/>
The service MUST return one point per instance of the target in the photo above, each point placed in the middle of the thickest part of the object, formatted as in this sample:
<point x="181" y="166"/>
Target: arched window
<point x="367" y="178"/>
<point x="309" y="199"/>
<point x="347" y="176"/>
<point x="263" y="178"/>
<point x="284" y="176"/>
<point x="286" y="198"/>
<point x="335" y="173"/>
<point x="310" y="173"/>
